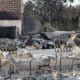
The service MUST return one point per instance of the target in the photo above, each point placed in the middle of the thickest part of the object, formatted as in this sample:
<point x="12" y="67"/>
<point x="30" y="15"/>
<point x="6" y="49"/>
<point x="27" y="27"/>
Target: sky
<point x="76" y="2"/>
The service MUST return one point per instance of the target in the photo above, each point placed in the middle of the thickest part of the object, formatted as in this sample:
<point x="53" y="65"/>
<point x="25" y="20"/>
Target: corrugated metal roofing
<point x="51" y="35"/>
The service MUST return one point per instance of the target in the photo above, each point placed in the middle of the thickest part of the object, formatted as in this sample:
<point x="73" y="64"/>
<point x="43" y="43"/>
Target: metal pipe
<point x="60" y="61"/>
<point x="56" y="57"/>
<point x="10" y="72"/>
<point x="0" y="63"/>
<point x="30" y="68"/>
<point x="72" y="63"/>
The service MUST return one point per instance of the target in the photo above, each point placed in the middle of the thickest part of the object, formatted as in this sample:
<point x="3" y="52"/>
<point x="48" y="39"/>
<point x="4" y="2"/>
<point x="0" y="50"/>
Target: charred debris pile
<point x="30" y="58"/>
<point x="46" y="40"/>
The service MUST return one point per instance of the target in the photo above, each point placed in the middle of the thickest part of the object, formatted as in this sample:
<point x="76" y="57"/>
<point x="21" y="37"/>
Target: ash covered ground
<point x="38" y="59"/>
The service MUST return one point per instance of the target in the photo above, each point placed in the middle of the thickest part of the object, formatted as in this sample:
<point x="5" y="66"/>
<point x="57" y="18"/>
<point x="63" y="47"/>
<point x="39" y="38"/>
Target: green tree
<point x="46" y="11"/>
<point x="53" y="14"/>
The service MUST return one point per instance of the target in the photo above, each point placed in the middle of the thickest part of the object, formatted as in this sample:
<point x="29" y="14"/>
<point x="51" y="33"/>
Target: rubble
<point x="45" y="78"/>
<point x="29" y="78"/>
<point x="40" y="60"/>
<point x="39" y="78"/>
<point x="37" y="60"/>
<point x="34" y="42"/>
<point x="19" y="43"/>
<point x="7" y="45"/>
<point x="25" y="52"/>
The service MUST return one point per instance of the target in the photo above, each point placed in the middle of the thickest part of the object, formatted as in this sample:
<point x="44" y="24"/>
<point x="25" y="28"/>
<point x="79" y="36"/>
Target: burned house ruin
<point x="10" y="18"/>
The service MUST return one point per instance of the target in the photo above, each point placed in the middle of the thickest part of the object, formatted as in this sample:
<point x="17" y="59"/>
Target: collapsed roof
<point x="51" y="35"/>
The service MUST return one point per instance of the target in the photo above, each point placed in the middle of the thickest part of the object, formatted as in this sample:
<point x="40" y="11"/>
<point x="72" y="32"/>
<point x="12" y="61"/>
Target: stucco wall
<point x="7" y="23"/>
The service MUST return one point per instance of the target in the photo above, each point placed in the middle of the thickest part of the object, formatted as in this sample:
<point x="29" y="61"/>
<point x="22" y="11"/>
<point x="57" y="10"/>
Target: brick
<point x="10" y="7"/>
